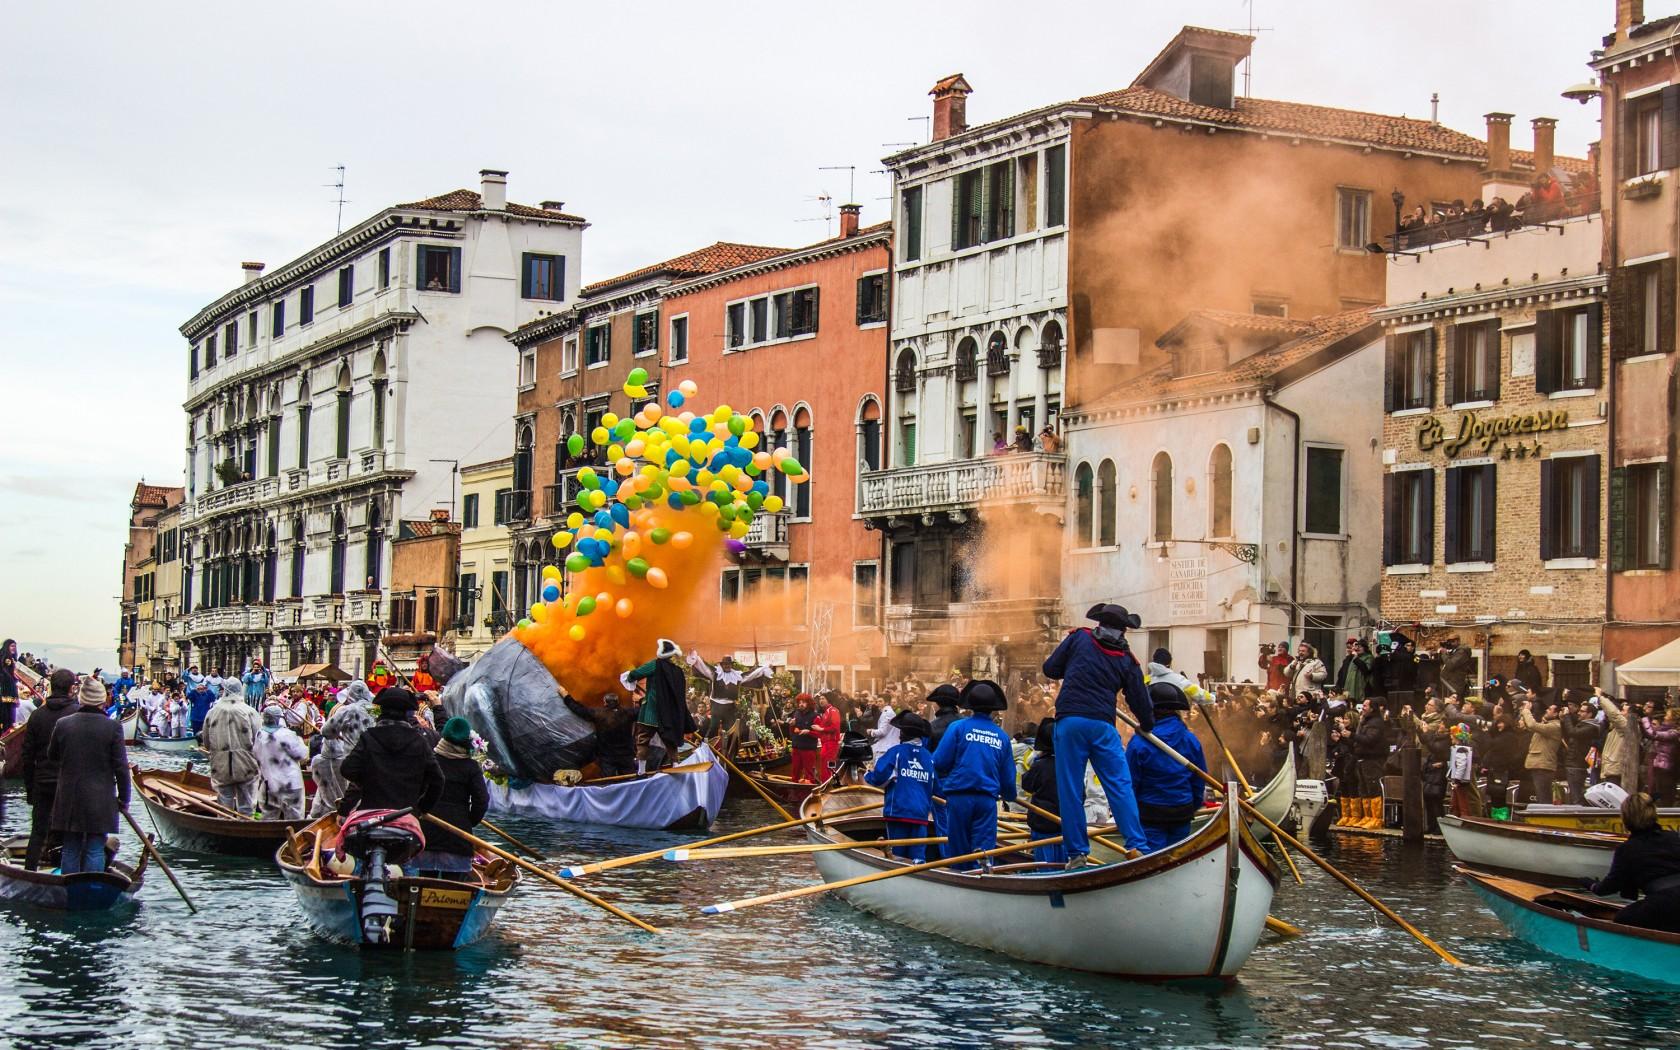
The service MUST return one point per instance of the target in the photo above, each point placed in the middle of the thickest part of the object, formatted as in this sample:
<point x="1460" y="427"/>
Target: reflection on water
<point x="812" y="973"/>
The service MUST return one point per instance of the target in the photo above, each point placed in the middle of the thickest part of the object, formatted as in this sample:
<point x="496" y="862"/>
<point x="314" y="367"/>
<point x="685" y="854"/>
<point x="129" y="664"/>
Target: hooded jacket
<point x="1613" y="755"/>
<point x="462" y="801"/>
<point x="975" y="757"/>
<point x="230" y="733"/>
<point x="1166" y="792"/>
<point x="391" y="767"/>
<point x="1093" y="674"/>
<point x="906" y="773"/>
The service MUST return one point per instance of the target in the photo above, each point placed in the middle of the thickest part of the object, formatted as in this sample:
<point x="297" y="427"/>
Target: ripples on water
<point x="245" y="972"/>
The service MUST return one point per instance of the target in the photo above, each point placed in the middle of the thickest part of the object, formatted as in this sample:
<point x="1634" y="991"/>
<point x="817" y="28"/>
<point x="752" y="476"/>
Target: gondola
<point x="756" y="760"/>
<point x="686" y="796"/>
<point x="1217" y="884"/>
<point x="183" y="808"/>
<point x="188" y="742"/>
<point x="424" y="914"/>
<point x="1589" y="818"/>
<point x="1578" y="927"/>
<point x="1554" y="856"/>
<point x="88" y="891"/>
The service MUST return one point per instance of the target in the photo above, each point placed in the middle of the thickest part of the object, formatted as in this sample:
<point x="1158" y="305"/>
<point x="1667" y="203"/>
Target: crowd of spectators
<point x="1547" y="200"/>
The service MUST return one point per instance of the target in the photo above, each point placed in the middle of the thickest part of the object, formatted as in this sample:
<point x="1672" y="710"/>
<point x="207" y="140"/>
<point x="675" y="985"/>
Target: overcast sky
<point x="146" y="149"/>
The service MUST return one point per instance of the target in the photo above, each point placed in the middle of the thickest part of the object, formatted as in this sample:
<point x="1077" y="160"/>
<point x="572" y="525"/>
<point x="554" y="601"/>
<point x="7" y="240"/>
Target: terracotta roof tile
<point x="147" y="495"/>
<point x="722" y="255"/>
<point x="467" y="200"/>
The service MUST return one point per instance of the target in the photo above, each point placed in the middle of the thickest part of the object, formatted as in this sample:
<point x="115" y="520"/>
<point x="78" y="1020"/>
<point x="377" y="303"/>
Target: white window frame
<point x="771" y="339"/>
<point x="671" y="340"/>
<point x="635" y="324"/>
<point x="876" y="603"/>
<point x="569" y="349"/>
<point x="1343" y="194"/>
<point x="886" y="291"/>
<point x="589" y="328"/>
<point x="527" y="369"/>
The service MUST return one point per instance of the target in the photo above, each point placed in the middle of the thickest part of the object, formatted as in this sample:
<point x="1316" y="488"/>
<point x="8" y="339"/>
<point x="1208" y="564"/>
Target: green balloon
<point x="574" y="444"/>
<point x="637" y="377"/>
<point x="625" y="430"/>
<point x="754" y="500"/>
<point x="522" y="624"/>
<point x="586" y="605"/>
<point x="633" y="502"/>
<point x="737" y="425"/>
<point x="576" y="562"/>
<point x="790" y="467"/>
<point x="588" y="478"/>
<point x="660" y="536"/>
<point x="726" y="512"/>
<point x="638" y="567"/>
<point x="690" y="498"/>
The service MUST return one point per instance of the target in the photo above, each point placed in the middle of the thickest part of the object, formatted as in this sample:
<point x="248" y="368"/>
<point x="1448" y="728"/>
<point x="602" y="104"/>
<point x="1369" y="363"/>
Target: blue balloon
<point x="698" y="425"/>
<point x="718" y="462"/>
<point x="675" y="501"/>
<point x="761" y="487"/>
<point x="551" y="593"/>
<point x="674" y="399"/>
<point x="610" y="487"/>
<point x="603" y="518"/>
<point x="671" y="456"/>
<point x="621" y="514"/>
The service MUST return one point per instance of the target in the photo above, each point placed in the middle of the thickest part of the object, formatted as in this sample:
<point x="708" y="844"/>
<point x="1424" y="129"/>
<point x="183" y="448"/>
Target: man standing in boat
<point x="392" y="766"/>
<point x="39" y="769"/>
<point x="904" y="772"/>
<point x="230" y="736"/>
<point x="1095" y="666"/>
<point x="92" y="779"/>
<point x="664" y="719"/>
<point x="727" y="680"/>
<point x="976" y="767"/>
<point x="1168" y="795"/>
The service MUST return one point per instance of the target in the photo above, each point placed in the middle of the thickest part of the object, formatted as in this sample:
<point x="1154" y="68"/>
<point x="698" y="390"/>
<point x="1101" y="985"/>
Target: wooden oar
<point x="542" y="873"/>
<point x="755" y="785"/>
<point x="528" y="850"/>
<point x="151" y="850"/>
<point x="178" y="794"/>
<point x="1281" y="928"/>
<point x="806" y="891"/>
<point x="696" y="767"/>
<point x="779" y="851"/>
<point x="1284" y="836"/>
<point x="1248" y="790"/>
<point x="621" y="862"/>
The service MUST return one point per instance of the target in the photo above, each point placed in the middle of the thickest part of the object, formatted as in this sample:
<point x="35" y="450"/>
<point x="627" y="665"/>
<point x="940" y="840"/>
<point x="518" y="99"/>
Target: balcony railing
<point x="233" y="619"/>
<point x="518" y="505"/>
<point x="243" y="494"/>
<point x="326" y="610"/>
<point x="1050" y="356"/>
<point x="1017" y="478"/>
<point x="362" y="609"/>
<point x="1468" y="227"/>
<point x="768" y="531"/>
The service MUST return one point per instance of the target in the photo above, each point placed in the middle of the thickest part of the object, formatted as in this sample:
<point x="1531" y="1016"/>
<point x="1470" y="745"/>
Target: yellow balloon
<point x="561" y="541"/>
<point x="576" y="633"/>
<point x="738" y="529"/>
<point x="552" y="572"/>
<point x="703" y="477"/>
<point x="574" y="519"/>
<point x="722" y="413"/>
<point x="772" y="504"/>
<point x="597" y="498"/>
<point x="538" y="612"/>
<point x="749" y="439"/>
<point x="708" y="510"/>
<point x="680" y="468"/>
<point x="609" y="421"/>
<point x="729" y="473"/>
<point x="604" y="535"/>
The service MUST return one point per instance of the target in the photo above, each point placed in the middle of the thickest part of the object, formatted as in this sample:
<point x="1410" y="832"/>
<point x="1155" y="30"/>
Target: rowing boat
<point x="1577" y="927"/>
<point x="1529" y="851"/>
<point x="11" y="753"/>
<point x="684" y="797"/>
<point x="85" y="891"/>
<point x="1278" y="795"/>
<point x="184" y="809"/>
<point x="1589" y="818"/>
<point x="1217" y="884"/>
<point x="165" y="743"/>
<point x="430" y="913"/>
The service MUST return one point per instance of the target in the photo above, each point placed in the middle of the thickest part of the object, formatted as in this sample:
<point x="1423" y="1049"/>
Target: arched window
<point x="1161" y="485"/>
<point x="968" y="359"/>
<point x="869" y="433"/>
<point x="519" y="502"/>
<point x="1219" y="491"/>
<point x="778" y="437"/>
<point x="297" y="556"/>
<point x="341" y="446"/>
<point x="340" y="542"/>
<point x="997" y="355"/>
<point x="1106" y="498"/>
<point x="1082" y="505"/>
<point x="904" y="374"/>
<point x="378" y="405"/>
<point x="271" y="563"/>
<point x="801" y="450"/>
<point x="905" y="383"/>
<point x="303" y="423"/>
<point x="375" y="545"/>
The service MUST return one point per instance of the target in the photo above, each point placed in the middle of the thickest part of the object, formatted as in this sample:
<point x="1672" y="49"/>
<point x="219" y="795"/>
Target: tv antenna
<point x="927" y="126"/>
<point x="1248" y="63"/>
<point x="339" y="186"/>
<point x="851" y="179"/>
<point x="827" y="217"/>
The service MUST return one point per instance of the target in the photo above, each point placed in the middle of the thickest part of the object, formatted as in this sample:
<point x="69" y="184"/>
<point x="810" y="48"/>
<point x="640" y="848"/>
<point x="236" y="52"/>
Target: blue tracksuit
<point x="906" y="774"/>
<point x="1093" y="675"/>
<point x="201" y="697"/>
<point x="976" y="767"/>
<point x="1168" y="795"/>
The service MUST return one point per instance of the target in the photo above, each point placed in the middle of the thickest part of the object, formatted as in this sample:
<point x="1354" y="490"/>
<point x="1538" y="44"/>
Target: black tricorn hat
<point x="910" y="724"/>
<point x="1117" y="616"/>
<point x="1165" y="696"/>
<point x="983" y="695"/>
<point x="394" y="699"/>
<point x="945" y="695"/>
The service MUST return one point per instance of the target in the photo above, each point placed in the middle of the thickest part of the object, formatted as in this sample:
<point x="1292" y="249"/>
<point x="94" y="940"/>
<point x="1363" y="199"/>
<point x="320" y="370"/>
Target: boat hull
<point x="669" y="801"/>
<point x="156" y="743"/>
<point x="93" y="891"/>
<point x="1548" y="854"/>
<point x="1589" y="818"/>
<point x="432" y="914"/>
<point x="1645" y="953"/>
<point x="206" y="834"/>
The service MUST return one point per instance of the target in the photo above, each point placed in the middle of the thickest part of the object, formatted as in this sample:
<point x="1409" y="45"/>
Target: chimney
<point x="494" y="189"/>
<point x="1545" y="129"/>
<point x="849" y="219"/>
<point x="440" y="514"/>
<point x="950" y="106"/>
<point x="1629" y="13"/>
<point x="553" y="205"/>
<point x="1499" y="141"/>
<point x="253" y="271"/>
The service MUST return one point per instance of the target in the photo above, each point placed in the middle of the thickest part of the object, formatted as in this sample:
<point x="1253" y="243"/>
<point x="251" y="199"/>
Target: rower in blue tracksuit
<point x="976" y="767"/>
<point x="1095" y="666"/>
<point x="905" y="773"/>
<point x="1168" y="795"/>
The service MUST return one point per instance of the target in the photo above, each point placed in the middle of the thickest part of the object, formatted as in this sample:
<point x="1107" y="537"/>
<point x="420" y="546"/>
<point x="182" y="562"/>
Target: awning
<point x="328" y="671"/>
<point x="1659" y="667"/>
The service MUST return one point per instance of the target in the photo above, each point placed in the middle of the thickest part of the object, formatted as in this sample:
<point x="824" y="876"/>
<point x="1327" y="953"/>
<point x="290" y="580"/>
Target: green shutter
<point x="1548" y="360"/>
<point x="1665" y="532"/>
<point x="1617" y="514"/>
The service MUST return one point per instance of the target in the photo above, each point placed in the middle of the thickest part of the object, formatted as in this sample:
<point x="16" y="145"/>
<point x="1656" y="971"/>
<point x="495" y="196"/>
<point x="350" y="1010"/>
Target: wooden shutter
<point x="1453" y="551"/>
<point x="1455" y="381"/>
<point x="1625" y="141"/>
<point x="1624" y="286"/>
<point x="1664" y="531"/>
<point x="1391" y="519"/>
<point x="1391" y="376"/>
<point x="1548" y="509"/>
<point x="1595" y="345"/>
<point x="862" y="295"/>
<point x="1497" y="352"/>
<point x="959" y="205"/>
<point x="1429" y="373"/>
<point x="1594" y="508"/>
<point x="1428" y="516"/>
<point x="1617" y="515"/>
<point x="814" y="298"/>
<point x="1548" y="361"/>
<point x="1670" y="146"/>
<point x="1490" y="512"/>
<point x="1665" y="305"/>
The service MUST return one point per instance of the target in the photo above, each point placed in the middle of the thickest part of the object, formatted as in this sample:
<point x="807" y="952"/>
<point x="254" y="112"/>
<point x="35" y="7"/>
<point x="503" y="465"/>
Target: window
<point x="1566" y="349"/>
<point x="467" y="589"/>
<point x="209" y="351"/>
<point x="230" y="339"/>
<point x="735" y="324"/>
<point x="644" y="334"/>
<point x="1210" y="81"/>
<point x="1642" y="309"/>
<point x="758" y="312"/>
<point x="1055" y="186"/>
<point x="1353" y="218"/>
<point x="297" y="557"/>
<point x="911" y="237"/>
<point x="679" y="339"/>
<point x="1267" y="306"/>
<point x="192" y="362"/>
<point x="1106" y="504"/>
<point x="1323" y="498"/>
<point x="1409" y="517"/>
<point x="1026" y="176"/>
<point x="498" y="597"/>
<point x="1569" y="507"/>
<point x="303" y="437"/>
<point x="872" y="299"/>
<point x="251" y="328"/>
<point x="385" y="267"/>
<point x="983" y="205"/>
<point x="340" y="546"/>
<point x="527" y="369"/>
<point x="1473" y="362"/>
<point x="802" y="452"/>
<point x="306" y="305"/>
<point x="440" y="269"/>
<point x="599" y="344"/>
<point x="274" y="446"/>
<point x="346" y="286"/>
<point x="503" y="498"/>
<point x="545" y="277"/>
<point x="1470" y="514"/>
<point x="374" y="549"/>
<point x="377" y="403"/>
<point x="802" y="312"/>
<point x="865" y="594"/>
<point x="1219" y="491"/>
<point x="1648" y="132"/>
<point x="1411" y="370"/>
<point x="1084" y="504"/>
<point x="1639" y="516"/>
<point x="907" y="441"/>
<point x="569" y="355"/>
<point x="277" y="326"/>
<point x="469" y="511"/>
<point x="341" y="432"/>
<point x="1161" y="487"/>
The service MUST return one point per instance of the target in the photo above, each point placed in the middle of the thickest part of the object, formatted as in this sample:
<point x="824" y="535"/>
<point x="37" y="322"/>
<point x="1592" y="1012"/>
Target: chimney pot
<point x="440" y="514"/>
<point x="950" y="106"/>
<point x="253" y="271"/>
<point x="1629" y="13"/>
<point x="1545" y="129"/>
<point x="1499" y="141"/>
<point x="493" y="188"/>
<point x="849" y="219"/>
<point x="553" y="205"/>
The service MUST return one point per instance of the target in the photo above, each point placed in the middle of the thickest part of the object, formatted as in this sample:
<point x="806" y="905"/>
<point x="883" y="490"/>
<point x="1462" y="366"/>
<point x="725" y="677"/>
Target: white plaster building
<point x="1180" y="504"/>
<point x="333" y="396"/>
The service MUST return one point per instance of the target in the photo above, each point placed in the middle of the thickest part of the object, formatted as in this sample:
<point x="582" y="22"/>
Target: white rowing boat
<point x="1217" y="884"/>
<point x="686" y="797"/>
<point x="1530" y="850"/>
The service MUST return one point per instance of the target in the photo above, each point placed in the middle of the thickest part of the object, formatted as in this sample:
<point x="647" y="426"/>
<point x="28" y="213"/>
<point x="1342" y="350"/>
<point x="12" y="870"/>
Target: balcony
<point x="324" y="611"/>
<point x="768" y="536"/>
<point x="363" y="609"/>
<point x="288" y="613"/>
<point x="233" y="497"/>
<point x="1019" y="478"/>
<point x="560" y="498"/>
<point x="234" y="619"/>
<point x="1497" y="260"/>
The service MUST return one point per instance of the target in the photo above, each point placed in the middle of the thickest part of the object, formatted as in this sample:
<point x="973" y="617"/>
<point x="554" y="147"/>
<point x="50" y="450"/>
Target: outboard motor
<point x="376" y="842"/>
<point x="855" y="758"/>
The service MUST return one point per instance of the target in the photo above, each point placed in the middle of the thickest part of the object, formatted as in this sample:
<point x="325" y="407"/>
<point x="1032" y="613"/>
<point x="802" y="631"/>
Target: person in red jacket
<point x="828" y="732"/>
<point x="1273" y="660"/>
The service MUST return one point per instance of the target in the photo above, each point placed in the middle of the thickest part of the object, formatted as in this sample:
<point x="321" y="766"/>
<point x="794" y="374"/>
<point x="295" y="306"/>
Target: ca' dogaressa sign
<point x="1475" y="430"/>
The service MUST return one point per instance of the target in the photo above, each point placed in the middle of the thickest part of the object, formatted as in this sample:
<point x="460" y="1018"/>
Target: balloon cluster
<point x="698" y="471"/>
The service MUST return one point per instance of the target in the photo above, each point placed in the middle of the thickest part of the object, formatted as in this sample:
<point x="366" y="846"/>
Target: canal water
<point x="245" y="972"/>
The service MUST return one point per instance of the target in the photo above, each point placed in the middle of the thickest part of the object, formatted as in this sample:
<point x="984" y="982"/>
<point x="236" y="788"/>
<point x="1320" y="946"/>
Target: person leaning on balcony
<point x="1023" y="439"/>
<point x="1048" y="441"/>
<point x="999" y="446"/>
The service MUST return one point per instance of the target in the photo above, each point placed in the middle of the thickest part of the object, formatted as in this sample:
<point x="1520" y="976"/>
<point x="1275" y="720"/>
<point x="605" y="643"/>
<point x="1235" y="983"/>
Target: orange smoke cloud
<point x="616" y="637"/>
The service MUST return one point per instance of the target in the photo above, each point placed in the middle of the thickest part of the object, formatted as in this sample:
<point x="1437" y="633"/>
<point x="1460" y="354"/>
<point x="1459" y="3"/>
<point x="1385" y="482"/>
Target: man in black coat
<point x="392" y="766"/>
<point x="615" y="733"/>
<point x="40" y="773"/>
<point x="92" y="779"/>
<point x="944" y="699"/>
